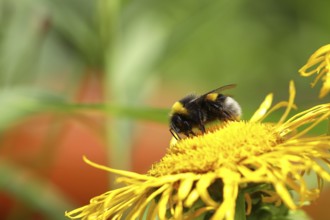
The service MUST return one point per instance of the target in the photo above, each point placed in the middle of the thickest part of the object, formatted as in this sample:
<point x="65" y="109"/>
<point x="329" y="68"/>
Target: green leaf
<point x="21" y="41"/>
<point x="40" y="195"/>
<point x="19" y="103"/>
<point x="73" y="23"/>
<point x="22" y="102"/>
<point x="298" y="215"/>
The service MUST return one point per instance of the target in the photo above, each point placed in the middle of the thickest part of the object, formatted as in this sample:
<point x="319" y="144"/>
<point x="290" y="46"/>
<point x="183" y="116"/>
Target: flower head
<point x="319" y="63"/>
<point x="249" y="164"/>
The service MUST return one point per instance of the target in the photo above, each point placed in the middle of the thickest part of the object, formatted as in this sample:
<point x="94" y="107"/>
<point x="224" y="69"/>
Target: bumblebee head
<point x="180" y="124"/>
<point x="178" y="121"/>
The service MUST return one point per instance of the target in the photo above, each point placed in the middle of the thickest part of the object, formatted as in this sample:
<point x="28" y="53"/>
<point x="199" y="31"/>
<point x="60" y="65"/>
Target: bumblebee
<point x="194" y="112"/>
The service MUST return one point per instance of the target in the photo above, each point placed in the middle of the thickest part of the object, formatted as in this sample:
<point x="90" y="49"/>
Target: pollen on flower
<point x="223" y="147"/>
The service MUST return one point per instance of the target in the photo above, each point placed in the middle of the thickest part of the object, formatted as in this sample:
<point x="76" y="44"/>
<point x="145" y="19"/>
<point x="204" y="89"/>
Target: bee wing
<point x="217" y="90"/>
<point x="222" y="88"/>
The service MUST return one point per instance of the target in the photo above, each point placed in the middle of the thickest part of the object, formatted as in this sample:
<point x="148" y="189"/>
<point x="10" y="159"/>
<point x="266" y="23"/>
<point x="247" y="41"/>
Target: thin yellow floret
<point x="319" y="64"/>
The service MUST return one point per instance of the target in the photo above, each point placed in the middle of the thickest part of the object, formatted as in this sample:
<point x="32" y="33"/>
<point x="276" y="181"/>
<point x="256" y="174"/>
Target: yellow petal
<point x="192" y="198"/>
<point x="326" y="86"/>
<point x="162" y="204"/>
<point x="285" y="195"/>
<point x="119" y="172"/>
<point x="178" y="210"/>
<point x="202" y="185"/>
<point x="292" y="92"/>
<point x="263" y="108"/>
<point x="319" y="63"/>
<point x="185" y="188"/>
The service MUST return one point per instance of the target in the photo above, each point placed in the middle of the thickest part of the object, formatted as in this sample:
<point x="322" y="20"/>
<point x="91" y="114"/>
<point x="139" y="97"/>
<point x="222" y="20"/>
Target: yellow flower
<point x="319" y="63"/>
<point x="253" y="163"/>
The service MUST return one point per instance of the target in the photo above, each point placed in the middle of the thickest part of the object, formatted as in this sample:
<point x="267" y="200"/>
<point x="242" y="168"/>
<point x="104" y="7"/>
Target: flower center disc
<point x="224" y="146"/>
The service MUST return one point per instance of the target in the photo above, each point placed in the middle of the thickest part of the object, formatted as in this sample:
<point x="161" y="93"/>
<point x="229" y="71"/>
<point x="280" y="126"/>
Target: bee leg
<point x="202" y="119"/>
<point x="188" y="133"/>
<point x="175" y="135"/>
<point x="202" y="128"/>
<point x="192" y="133"/>
<point x="228" y="116"/>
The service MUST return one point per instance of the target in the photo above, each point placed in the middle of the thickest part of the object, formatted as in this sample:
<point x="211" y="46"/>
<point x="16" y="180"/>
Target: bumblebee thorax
<point x="212" y="96"/>
<point x="179" y="109"/>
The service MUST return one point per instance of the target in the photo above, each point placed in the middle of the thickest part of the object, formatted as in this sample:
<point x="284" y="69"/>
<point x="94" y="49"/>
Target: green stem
<point x="118" y="130"/>
<point x="240" y="207"/>
<point x="328" y="126"/>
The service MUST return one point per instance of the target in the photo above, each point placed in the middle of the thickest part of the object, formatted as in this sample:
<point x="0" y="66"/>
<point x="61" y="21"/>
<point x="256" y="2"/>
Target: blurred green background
<point x="97" y="77"/>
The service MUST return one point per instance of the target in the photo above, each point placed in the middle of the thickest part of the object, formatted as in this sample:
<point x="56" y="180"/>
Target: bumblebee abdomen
<point x="233" y="107"/>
